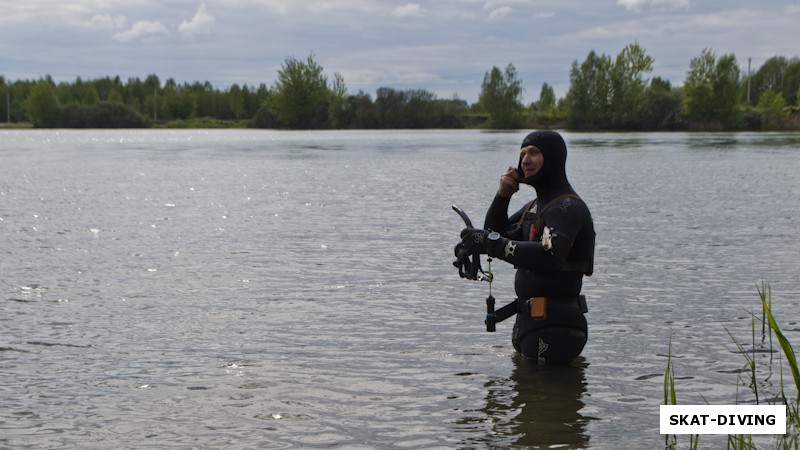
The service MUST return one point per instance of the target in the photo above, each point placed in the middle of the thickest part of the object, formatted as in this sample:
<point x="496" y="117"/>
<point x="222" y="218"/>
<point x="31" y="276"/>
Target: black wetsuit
<point x="556" y="273"/>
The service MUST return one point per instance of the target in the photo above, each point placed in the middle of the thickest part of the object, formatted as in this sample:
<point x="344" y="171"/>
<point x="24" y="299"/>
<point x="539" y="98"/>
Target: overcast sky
<point x="443" y="46"/>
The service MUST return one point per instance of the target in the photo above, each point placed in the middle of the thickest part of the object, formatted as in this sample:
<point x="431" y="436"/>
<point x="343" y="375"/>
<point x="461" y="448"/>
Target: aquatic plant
<point x="670" y="398"/>
<point x="761" y="390"/>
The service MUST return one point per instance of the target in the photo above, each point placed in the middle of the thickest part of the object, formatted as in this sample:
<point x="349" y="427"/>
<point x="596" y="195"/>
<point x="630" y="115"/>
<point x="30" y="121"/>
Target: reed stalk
<point x="769" y="328"/>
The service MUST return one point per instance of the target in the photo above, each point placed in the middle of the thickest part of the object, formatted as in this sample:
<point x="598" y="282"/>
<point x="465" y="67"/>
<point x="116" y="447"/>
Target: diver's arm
<point x="534" y="255"/>
<point x="531" y="254"/>
<point x="497" y="215"/>
<point x="497" y="218"/>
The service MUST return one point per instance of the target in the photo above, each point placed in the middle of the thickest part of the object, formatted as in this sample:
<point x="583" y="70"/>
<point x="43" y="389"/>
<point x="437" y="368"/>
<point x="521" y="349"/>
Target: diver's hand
<point x="509" y="183"/>
<point x="474" y="240"/>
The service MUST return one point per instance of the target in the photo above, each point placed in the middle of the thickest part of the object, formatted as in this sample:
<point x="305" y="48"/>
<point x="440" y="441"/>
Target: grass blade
<point x="788" y="351"/>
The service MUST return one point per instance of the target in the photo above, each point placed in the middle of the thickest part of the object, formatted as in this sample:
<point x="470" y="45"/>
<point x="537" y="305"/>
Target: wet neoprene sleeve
<point x="497" y="216"/>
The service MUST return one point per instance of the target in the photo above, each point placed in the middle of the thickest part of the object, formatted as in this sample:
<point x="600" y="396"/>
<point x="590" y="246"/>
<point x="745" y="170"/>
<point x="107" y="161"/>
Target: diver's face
<point x="532" y="160"/>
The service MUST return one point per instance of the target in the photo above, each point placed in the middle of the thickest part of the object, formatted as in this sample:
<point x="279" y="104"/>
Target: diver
<point x="550" y="241"/>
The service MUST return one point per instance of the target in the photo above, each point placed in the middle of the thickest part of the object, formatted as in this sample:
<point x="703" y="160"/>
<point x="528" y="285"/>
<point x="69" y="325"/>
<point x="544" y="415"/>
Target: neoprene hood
<point x="553" y="173"/>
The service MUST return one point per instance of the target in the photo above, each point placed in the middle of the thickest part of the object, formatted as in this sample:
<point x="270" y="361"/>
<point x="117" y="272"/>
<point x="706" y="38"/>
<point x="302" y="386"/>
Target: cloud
<point x="200" y="23"/>
<point x="363" y="40"/>
<point x="639" y="4"/>
<point x="106" y="21"/>
<point x="499" y="13"/>
<point x="143" y="30"/>
<point x="492" y="4"/>
<point x="408" y="10"/>
<point x="148" y="31"/>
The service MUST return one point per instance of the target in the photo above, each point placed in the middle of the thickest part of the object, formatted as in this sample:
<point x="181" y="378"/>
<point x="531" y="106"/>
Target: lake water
<point x="265" y="289"/>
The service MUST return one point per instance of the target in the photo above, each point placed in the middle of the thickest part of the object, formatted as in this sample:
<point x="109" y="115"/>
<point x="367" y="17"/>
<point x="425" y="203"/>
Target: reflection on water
<point x="714" y="141"/>
<point x="549" y="399"/>
<point x="536" y="407"/>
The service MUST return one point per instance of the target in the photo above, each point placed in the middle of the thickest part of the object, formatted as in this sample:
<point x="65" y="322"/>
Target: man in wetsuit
<point x="551" y="243"/>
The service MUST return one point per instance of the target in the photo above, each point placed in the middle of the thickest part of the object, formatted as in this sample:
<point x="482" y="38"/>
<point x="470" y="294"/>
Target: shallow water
<point x="263" y="289"/>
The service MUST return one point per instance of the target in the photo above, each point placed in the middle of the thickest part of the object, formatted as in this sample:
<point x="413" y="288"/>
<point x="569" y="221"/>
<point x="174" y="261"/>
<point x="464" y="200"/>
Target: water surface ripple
<point x="264" y="289"/>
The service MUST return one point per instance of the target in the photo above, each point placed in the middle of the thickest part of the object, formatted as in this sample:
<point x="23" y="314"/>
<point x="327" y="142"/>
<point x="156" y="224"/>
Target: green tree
<point x="135" y="95"/>
<point x="5" y="88"/>
<point x="698" y="88"/>
<point x="711" y="92"/>
<point x="301" y="93"/>
<point x="544" y="112"/>
<point x="547" y="100"/>
<point x="337" y="103"/>
<point x="589" y="97"/>
<point x="362" y="111"/>
<point x="64" y="93"/>
<point x="628" y="85"/>
<point x="661" y="107"/>
<point x="390" y="107"/>
<point x="204" y="99"/>
<point x="727" y="92"/>
<point x="251" y="100"/>
<point x="420" y="108"/>
<point x="236" y="100"/>
<point x="113" y="115"/>
<point x="772" y="108"/>
<point x="768" y="77"/>
<point x="501" y="97"/>
<point x="448" y="113"/>
<point x="43" y="106"/>
<point x="73" y="115"/>
<point x="152" y="101"/>
<point x="81" y="92"/>
<point x="790" y="82"/>
<point x="17" y="97"/>
<point x="177" y="102"/>
<point x="88" y="95"/>
<point x="101" y="115"/>
<point x="105" y="86"/>
<point x="115" y="97"/>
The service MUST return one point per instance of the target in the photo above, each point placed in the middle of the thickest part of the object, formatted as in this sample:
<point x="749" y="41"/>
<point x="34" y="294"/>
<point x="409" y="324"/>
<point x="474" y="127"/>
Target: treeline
<point x="608" y="93"/>
<point x="605" y="93"/>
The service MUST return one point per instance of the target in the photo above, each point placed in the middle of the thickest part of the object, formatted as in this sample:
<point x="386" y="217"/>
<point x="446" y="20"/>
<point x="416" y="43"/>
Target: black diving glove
<point x="483" y="242"/>
<point x="474" y="240"/>
<point x="463" y="262"/>
<point x="468" y="253"/>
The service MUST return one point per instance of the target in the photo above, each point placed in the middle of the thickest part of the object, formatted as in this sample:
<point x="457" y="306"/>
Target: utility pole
<point x="8" y="105"/>
<point x="748" y="81"/>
